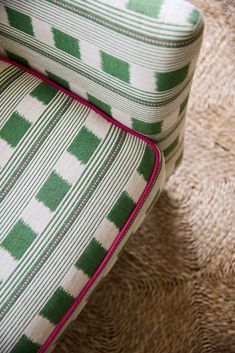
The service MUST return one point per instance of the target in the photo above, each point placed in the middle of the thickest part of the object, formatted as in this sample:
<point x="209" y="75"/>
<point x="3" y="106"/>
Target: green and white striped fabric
<point x="69" y="180"/>
<point x="134" y="59"/>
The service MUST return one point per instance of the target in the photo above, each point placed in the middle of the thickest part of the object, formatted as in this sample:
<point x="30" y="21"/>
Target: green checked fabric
<point x="69" y="180"/>
<point x="134" y="59"/>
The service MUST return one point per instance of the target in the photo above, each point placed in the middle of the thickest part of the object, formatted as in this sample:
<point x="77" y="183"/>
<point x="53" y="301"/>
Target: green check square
<point x="183" y="105"/>
<point x="19" y="20"/>
<point x="115" y="67"/>
<point x="66" y="43"/>
<point x="44" y="92"/>
<point x="91" y="258"/>
<point x="17" y="58"/>
<point x="98" y="103"/>
<point x="194" y="17"/>
<point x="171" y="79"/>
<point x="147" y="128"/>
<point x="14" y="129"/>
<point x="57" y="306"/>
<point x="171" y="148"/>
<point x="147" y="163"/>
<point x="84" y="145"/>
<point x="149" y="8"/>
<point x="53" y="191"/>
<point x="57" y="79"/>
<point x="25" y="345"/>
<point x="121" y="210"/>
<point x="19" y="239"/>
<point x="179" y="159"/>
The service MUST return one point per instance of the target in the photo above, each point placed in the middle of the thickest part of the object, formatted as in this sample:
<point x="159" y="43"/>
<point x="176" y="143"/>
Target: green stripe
<point x="168" y="80"/>
<point x="171" y="148"/>
<point x="106" y="165"/>
<point x="183" y="105"/>
<point x="15" y="75"/>
<point x="28" y="179"/>
<point x="118" y="28"/>
<point x="137" y="17"/>
<point x="137" y="54"/>
<point x="168" y="133"/>
<point x="9" y="75"/>
<point x="38" y="128"/>
<point x="150" y="103"/>
<point x="179" y="160"/>
<point x="17" y="207"/>
<point x="115" y="67"/>
<point x="40" y="140"/>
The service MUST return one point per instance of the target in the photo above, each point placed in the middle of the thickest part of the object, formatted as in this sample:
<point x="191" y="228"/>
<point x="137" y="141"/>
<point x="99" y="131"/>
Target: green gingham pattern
<point x="134" y="59"/>
<point x="69" y="179"/>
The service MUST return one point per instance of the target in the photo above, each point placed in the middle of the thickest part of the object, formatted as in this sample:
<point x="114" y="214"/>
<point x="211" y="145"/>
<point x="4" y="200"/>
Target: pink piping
<point x="76" y="302"/>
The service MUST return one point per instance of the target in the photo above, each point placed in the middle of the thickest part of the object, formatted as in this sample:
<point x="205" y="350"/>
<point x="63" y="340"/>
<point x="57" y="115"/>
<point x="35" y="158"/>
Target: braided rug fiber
<point x="173" y="288"/>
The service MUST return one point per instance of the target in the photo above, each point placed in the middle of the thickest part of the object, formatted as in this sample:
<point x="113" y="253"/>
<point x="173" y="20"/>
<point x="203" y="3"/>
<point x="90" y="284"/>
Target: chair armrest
<point x="134" y="59"/>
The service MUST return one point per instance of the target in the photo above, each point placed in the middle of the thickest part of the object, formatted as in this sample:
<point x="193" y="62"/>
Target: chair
<point x="93" y="105"/>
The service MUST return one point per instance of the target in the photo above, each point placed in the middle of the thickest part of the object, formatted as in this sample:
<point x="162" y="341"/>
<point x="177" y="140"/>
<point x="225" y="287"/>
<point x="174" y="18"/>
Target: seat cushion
<point x="75" y="184"/>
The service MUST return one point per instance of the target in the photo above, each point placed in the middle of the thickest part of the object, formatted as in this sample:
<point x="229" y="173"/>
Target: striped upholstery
<point x="134" y="59"/>
<point x="70" y="181"/>
<point x="74" y="183"/>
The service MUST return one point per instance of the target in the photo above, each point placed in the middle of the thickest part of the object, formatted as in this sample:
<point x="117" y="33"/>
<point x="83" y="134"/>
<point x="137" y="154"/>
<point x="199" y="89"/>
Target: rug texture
<point x="173" y="288"/>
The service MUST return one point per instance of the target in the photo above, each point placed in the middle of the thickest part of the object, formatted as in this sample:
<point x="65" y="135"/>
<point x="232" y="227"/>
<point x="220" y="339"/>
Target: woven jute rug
<point x="173" y="288"/>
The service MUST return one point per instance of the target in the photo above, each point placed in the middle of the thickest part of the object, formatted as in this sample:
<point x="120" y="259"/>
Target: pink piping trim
<point x="53" y="335"/>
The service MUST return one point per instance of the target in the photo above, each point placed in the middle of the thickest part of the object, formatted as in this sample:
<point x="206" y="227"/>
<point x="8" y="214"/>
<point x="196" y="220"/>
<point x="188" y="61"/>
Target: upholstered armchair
<point x="93" y="107"/>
